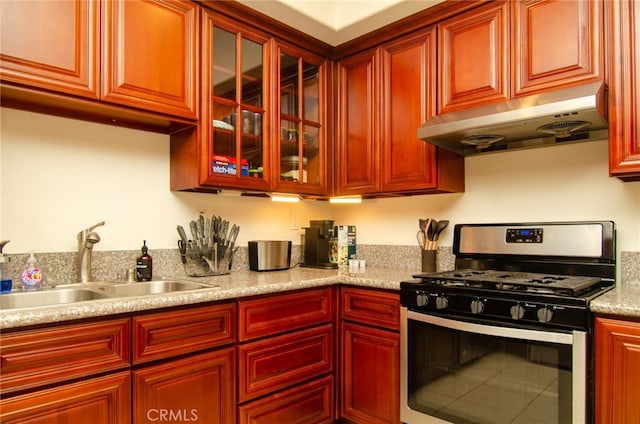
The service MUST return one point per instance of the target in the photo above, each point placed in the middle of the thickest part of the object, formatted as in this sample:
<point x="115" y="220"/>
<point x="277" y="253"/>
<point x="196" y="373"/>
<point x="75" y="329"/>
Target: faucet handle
<point x="99" y="224"/>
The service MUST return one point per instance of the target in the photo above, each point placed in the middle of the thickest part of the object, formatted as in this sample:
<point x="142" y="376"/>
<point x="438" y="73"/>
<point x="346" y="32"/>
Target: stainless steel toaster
<point x="269" y="255"/>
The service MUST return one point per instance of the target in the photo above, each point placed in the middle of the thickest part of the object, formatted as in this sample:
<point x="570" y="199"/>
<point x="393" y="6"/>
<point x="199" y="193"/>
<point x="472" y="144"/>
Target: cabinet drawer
<point x="101" y="400"/>
<point x="269" y="365"/>
<point x="165" y="334"/>
<point x="371" y="307"/>
<point x="39" y="357"/>
<point x="269" y="315"/>
<point x="309" y="403"/>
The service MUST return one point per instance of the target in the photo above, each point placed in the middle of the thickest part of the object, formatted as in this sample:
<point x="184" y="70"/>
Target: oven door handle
<point x="492" y="330"/>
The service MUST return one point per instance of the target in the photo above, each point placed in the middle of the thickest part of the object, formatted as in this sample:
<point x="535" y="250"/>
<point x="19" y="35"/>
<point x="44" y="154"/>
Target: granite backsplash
<point x="62" y="267"/>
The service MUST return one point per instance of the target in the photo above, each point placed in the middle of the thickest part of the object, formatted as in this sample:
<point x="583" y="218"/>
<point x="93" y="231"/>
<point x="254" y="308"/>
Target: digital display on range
<point x="524" y="235"/>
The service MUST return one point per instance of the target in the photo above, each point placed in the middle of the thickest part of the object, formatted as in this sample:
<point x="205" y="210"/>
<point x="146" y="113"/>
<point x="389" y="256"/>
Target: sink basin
<point x="48" y="297"/>
<point x="150" y="287"/>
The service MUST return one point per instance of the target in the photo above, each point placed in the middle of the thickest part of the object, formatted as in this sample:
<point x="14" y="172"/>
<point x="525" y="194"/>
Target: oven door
<point x="453" y="371"/>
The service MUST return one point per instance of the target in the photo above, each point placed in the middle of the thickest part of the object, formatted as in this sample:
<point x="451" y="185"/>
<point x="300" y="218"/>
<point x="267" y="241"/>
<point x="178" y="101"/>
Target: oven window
<point x="465" y="377"/>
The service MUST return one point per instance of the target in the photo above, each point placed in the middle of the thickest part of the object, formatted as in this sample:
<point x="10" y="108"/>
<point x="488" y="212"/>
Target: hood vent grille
<point x="567" y="115"/>
<point x="563" y="129"/>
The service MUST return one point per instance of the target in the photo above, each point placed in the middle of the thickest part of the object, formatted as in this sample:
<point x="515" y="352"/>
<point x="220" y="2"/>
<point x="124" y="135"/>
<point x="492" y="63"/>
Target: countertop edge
<point x="10" y="319"/>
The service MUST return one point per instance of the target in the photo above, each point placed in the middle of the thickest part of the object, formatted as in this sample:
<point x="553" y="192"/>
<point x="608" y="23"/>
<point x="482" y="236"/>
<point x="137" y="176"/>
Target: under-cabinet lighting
<point x="229" y="193"/>
<point x="283" y="197"/>
<point x="346" y="199"/>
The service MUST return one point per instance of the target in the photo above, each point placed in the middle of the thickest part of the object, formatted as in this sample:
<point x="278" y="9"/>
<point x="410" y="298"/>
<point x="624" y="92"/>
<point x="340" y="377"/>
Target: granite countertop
<point x="623" y="300"/>
<point x="232" y="286"/>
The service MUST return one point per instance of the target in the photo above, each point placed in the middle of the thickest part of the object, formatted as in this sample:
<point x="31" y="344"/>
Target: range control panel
<point x="524" y="235"/>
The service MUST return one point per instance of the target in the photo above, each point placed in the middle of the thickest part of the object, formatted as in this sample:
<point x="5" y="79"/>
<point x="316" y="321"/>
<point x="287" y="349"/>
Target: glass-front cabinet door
<point x="300" y="150"/>
<point x="235" y="105"/>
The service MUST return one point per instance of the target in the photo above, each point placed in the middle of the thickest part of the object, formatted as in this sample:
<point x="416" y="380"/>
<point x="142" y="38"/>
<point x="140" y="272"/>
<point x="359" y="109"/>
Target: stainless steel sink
<point x="48" y="297"/>
<point x="150" y="287"/>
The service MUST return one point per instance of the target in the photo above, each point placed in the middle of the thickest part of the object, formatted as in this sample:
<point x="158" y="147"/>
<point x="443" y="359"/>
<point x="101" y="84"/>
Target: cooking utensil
<point x="194" y="230"/>
<point x="439" y="229"/>
<point x="233" y="235"/>
<point x="182" y="247"/>
<point x="183" y="234"/>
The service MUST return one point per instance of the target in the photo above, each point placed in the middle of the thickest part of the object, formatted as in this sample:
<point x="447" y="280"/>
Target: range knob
<point x="545" y="314"/>
<point x="517" y="311"/>
<point x="422" y="299"/>
<point x="442" y="302"/>
<point x="477" y="307"/>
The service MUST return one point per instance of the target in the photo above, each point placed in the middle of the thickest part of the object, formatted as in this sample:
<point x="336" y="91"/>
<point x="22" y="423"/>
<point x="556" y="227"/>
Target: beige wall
<point x="58" y="176"/>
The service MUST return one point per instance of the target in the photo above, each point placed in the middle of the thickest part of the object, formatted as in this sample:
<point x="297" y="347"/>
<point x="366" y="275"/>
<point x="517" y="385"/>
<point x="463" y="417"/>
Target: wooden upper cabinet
<point x="233" y="144"/>
<point x="407" y="100"/>
<point x="384" y="96"/>
<point x="556" y="43"/>
<point x="473" y="64"/>
<point x="357" y="153"/>
<point x="150" y="55"/>
<point x="51" y="45"/>
<point x="622" y="19"/>
<point x="300" y="123"/>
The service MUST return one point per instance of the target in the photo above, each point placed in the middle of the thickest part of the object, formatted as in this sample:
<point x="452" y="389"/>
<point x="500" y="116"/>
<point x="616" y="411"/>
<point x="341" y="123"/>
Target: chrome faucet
<point x="87" y="238"/>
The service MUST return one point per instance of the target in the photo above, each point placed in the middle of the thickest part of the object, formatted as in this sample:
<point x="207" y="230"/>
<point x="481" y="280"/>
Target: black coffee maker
<point x="317" y="245"/>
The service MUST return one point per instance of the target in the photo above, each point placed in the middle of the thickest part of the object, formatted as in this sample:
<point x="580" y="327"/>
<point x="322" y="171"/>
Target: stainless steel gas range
<point x="506" y="337"/>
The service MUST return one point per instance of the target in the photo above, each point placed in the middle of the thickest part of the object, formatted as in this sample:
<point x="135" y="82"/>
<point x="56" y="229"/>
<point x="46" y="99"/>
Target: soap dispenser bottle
<point x="31" y="276"/>
<point x="144" y="265"/>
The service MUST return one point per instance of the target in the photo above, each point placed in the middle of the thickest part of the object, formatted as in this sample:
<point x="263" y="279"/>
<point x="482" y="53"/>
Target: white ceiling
<point x="338" y="21"/>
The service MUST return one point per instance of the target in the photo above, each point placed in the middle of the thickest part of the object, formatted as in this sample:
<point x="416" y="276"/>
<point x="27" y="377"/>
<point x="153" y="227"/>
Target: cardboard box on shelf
<point x="227" y="165"/>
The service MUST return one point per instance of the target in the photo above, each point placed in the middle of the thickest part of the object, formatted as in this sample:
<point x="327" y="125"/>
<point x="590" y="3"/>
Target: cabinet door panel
<point x="36" y="357"/>
<point x="408" y="93"/>
<point x="370" y="375"/>
<point x="50" y="45"/>
<point x="278" y="362"/>
<point x="623" y="23"/>
<point x="200" y="388"/>
<point x="358" y="155"/>
<point x="300" y="140"/>
<point x="617" y="367"/>
<point x="232" y="146"/>
<point x="556" y="43"/>
<point x="103" y="400"/>
<point x="473" y="58"/>
<point x="309" y="403"/>
<point x="150" y="53"/>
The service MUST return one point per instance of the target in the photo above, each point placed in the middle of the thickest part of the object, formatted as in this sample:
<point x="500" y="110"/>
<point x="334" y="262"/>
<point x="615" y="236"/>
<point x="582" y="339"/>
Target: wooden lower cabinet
<point x="100" y="400"/>
<point x="617" y="368"/>
<point x="198" y="388"/>
<point x="286" y="358"/>
<point x="369" y="377"/>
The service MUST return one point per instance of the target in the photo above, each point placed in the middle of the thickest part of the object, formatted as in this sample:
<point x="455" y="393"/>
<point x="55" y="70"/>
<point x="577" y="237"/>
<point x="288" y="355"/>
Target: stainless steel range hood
<point x="561" y="116"/>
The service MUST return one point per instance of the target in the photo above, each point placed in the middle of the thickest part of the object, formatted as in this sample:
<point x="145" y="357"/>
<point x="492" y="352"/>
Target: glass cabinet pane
<point x="311" y="87"/>
<point x="224" y="60"/>
<point x="224" y="129"/>
<point x="288" y="85"/>
<point x="237" y="104"/>
<point x="311" y="153"/>
<point x="251" y="73"/>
